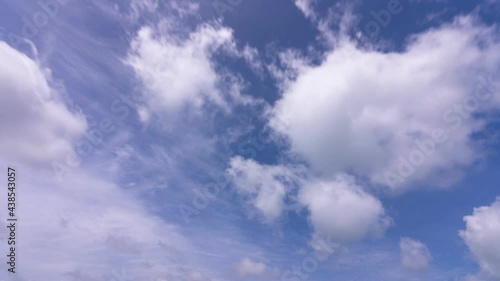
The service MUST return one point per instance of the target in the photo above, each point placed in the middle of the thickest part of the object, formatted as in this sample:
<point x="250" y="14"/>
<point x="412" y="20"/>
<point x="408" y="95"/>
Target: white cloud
<point x="36" y="123"/>
<point x="414" y="254"/>
<point x="362" y="110"/>
<point x="341" y="210"/>
<point x="266" y="186"/>
<point x="178" y="70"/>
<point x="481" y="235"/>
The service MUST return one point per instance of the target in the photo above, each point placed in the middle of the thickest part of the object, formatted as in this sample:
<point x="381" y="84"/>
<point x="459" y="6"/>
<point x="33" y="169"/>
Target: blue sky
<point x="252" y="140"/>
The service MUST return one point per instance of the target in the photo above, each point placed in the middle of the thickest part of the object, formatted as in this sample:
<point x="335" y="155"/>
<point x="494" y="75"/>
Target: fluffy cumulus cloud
<point x="343" y="211"/>
<point x="178" y="70"/>
<point x="481" y="235"/>
<point x="396" y="118"/>
<point x="265" y="186"/>
<point x="414" y="254"/>
<point x="37" y="124"/>
<point x="338" y="208"/>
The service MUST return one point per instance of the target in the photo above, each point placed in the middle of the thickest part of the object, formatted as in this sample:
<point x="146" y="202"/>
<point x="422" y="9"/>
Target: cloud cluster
<point x="305" y="6"/>
<point x="338" y="208"/>
<point x="92" y="227"/>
